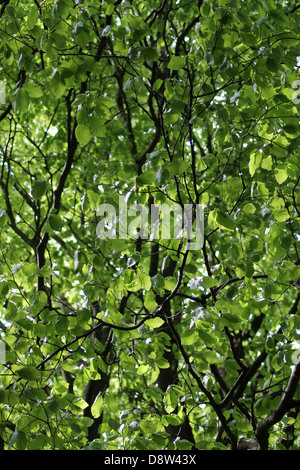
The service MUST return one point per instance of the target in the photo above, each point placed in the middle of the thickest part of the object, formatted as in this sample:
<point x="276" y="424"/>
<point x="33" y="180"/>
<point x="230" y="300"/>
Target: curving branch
<point x="285" y="404"/>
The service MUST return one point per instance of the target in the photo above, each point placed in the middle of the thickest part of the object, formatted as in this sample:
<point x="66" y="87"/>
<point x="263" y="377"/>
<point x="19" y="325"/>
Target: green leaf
<point x="83" y="134"/>
<point x="58" y="85"/>
<point x="290" y="128"/>
<point x="55" y="222"/>
<point x="154" y="373"/>
<point x="175" y="420"/>
<point x="273" y="64"/>
<point x="231" y="319"/>
<point x="211" y="62"/>
<point x="177" y="167"/>
<point x="158" y="281"/>
<point x="98" y="263"/>
<point x="261" y="20"/>
<point x="150" y="426"/>
<point x="2" y="217"/>
<point x="30" y="269"/>
<point x="155" y="322"/>
<point x="205" y="9"/>
<point x="170" y="400"/>
<point x="281" y="175"/>
<point x="145" y="280"/>
<point x="188" y="338"/>
<point x="170" y="283"/>
<point x="207" y="338"/>
<point x="33" y="90"/>
<point x="17" y="99"/>
<point x="97" y="406"/>
<point x="270" y="343"/>
<point x="110" y="9"/>
<point x="209" y="282"/>
<point x="142" y="369"/>
<point x="249" y="208"/>
<point x="32" y="18"/>
<point x="150" y="301"/>
<point x="176" y="63"/>
<point x="97" y="126"/>
<point x="162" y="363"/>
<point x="157" y="84"/>
<point x="147" y="177"/>
<point x="28" y="373"/>
<point x="136" y="22"/>
<point x="37" y="443"/>
<point x="93" y="198"/>
<point x="255" y="160"/>
<point x="162" y="175"/>
<point x="267" y="163"/>
<point x="225" y="220"/>
<point x="38" y="189"/>
<point x="150" y="54"/>
<point x="184" y="444"/>
<point x="210" y="357"/>
<point x="102" y="364"/>
<point x="13" y="439"/>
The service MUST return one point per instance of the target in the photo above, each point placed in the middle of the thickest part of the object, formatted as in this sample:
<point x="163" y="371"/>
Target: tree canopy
<point x="122" y="342"/>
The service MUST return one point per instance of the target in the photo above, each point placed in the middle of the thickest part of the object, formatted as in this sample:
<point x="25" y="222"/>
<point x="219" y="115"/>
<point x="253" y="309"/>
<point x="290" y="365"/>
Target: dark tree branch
<point x="285" y="404"/>
<point x="72" y="146"/>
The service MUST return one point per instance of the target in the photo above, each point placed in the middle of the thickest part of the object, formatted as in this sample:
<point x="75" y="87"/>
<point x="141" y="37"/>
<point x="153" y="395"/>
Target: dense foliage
<point x="142" y="343"/>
